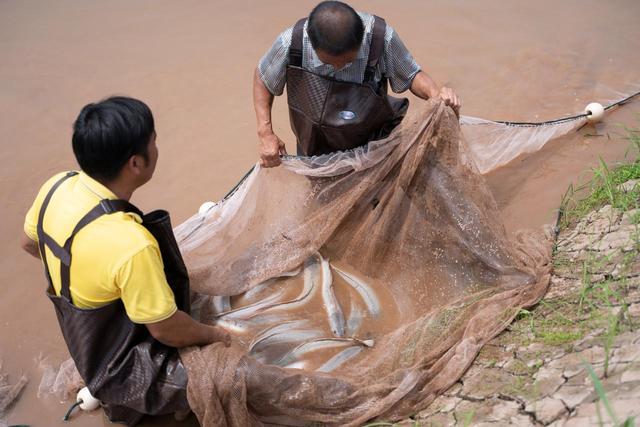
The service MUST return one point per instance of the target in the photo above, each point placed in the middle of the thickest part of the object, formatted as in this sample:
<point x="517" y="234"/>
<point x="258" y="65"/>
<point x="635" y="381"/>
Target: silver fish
<point x="231" y="325"/>
<point x="337" y="360"/>
<point x="318" y="344"/>
<point x="197" y="301"/>
<point x="205" y="306"/>
<point x="295" y="365"/>
<point x="268" y="319"/>
<point x="311" y="273"/>
<point x="369" y="297"/>
<point x="248" y="310"/>
<point x="356" y="315"/>
<point x="221" y="304"/>
<point x="331" y="304"/>
<point x="261" y="349"/>
<point x="250" y="294"/>
<point x="268" y="282"/>
<point x="275" y="330"/>
<point x="253" y="292"/>
<point x="291" y="273"/>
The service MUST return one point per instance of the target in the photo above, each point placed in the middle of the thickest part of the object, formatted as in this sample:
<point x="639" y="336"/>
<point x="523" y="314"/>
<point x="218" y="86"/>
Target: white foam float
<point x="594" y="112"/>
<point x="89" y="403"/>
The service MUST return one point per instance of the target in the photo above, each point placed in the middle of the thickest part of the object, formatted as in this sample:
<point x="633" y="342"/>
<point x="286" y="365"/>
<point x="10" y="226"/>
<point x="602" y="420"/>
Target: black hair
<point x="106" y="134"/>
<point x="334" y="27"/>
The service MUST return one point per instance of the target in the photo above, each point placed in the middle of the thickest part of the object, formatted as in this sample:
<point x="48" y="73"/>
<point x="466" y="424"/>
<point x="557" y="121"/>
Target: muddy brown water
<point x="192" y="63"/>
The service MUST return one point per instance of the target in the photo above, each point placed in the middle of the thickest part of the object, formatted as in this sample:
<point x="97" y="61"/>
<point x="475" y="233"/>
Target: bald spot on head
<point x="335" y="28"/>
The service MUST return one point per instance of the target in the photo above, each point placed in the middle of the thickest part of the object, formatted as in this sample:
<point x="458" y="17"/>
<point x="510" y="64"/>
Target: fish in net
<point x="402" y="235"/>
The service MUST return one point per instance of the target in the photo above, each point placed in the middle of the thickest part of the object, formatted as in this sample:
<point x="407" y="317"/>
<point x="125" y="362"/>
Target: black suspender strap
<point x="57" y="250"/>
<point x="63" y="253"/>
<point x="95" y="213"/>
<point x="376" y="49"/>
<point x="105" y="207"/>
<point x="45" y="239"/>
<point x="295" y="50"/>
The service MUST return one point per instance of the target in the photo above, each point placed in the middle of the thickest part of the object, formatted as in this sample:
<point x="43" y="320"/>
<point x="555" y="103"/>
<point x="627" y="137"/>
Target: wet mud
<point x="192" y="62"/>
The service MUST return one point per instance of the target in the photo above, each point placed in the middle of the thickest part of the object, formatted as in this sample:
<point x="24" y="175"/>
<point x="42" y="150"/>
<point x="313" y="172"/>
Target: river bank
<point x="574" y="358"/>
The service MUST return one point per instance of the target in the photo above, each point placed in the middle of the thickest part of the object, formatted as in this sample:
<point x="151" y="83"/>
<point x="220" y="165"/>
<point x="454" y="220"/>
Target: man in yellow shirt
<point x="107" y="274"/>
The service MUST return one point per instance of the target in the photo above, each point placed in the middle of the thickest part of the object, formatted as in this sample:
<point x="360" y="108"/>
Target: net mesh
<point x="62" y="382"/>
<point x="494" y="144"/>
<point x="398" y="243"/>
<point x="9" y="393"/>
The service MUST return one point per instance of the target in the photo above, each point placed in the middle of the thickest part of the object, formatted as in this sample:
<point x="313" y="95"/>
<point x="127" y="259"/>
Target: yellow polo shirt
<point x="114" y="257"/>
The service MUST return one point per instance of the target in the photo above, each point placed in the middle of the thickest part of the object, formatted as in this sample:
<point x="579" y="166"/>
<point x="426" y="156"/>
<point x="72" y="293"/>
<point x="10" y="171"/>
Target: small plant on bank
<point x="604" y="187"/>
<point x="602" y="397"/>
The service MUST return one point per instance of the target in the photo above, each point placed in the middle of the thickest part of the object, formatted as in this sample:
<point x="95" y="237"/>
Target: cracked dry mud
<point x="534" y="373"/>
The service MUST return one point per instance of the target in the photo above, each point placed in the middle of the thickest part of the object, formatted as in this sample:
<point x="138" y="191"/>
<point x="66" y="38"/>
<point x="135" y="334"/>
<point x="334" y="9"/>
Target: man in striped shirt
<point x="336" y="42"/>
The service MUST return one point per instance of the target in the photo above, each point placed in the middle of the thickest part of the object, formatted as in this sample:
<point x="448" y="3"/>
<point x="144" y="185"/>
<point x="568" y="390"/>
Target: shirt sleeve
<point x="273" y="65"/>
<point x="31" y="219"/>
<point x="398" y="64"/>
<point x="144" y="290"/>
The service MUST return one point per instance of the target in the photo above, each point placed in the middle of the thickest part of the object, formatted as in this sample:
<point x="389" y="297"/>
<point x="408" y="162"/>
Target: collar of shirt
<point x="102" y="192"/>
<point x="315" y="60"/>
<point x="96" y="187"/>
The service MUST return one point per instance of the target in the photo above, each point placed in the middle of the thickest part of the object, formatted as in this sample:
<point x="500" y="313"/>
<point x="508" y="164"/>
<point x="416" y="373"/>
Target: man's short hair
<point x="335" y="28"/>
<point x="106" y="134"/>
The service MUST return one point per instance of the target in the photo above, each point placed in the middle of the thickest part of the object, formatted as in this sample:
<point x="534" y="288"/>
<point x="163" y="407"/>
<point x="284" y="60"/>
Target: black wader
<point x="328" y="115"/>
<point x="121" y="363"/>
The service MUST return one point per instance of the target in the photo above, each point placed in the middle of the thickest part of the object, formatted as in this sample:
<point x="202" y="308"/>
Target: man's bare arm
<point x="271" y="147"/>
<point x="424" y="87"/>
<point x="29" y="246"/>
<point x="180" y="330"/>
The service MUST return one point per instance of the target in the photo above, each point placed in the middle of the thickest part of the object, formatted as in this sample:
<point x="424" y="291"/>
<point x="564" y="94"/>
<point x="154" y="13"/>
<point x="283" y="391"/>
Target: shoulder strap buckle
<point x="107" y="206"/>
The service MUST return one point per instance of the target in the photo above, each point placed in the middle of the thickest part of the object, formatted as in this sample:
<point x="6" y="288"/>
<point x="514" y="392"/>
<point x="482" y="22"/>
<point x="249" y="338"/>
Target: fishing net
<point x="357" y="285"/>
<point x="8" y="393"/>
<point x="495" y="143"/>
<point x="62" y="382"/>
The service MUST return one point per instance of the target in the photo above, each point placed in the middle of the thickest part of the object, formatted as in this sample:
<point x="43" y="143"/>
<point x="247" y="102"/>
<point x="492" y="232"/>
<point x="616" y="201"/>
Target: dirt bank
<point x="574" y="359"/>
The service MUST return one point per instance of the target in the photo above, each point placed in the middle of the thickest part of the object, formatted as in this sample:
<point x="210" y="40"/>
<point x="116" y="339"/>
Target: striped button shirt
<point x="396" y="64"/>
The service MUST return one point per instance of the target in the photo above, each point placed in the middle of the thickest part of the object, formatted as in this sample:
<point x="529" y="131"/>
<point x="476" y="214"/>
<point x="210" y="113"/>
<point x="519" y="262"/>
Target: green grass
<point x="609" y="338"/>
<point x="562" y="321"/>
<point x="553" y="322"/>
<point x="468" y="418"/>
<point x="603" y="188"/>
<point x="602" y="398"/>
<point x="595" y="299"/>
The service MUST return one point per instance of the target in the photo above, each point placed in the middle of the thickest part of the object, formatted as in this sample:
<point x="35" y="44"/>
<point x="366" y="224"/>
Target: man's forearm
<point x="424" y="87"/>
<point x="271" y="147"/>
<point x="262" y="103"/>
<point x="180" y="330"/>
<point x="29" y="246"/>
